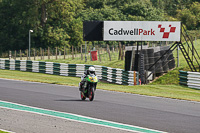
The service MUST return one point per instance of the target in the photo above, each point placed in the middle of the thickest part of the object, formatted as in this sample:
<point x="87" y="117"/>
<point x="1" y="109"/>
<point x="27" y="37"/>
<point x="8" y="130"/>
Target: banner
<point x="141" y="31"/>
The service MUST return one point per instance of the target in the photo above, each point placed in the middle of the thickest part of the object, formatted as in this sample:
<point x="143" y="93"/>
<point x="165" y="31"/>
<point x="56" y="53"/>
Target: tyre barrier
<point x="112" y="75"/>
<point x="151" y="55"/>
<point x="171" y="61"/>
<point x="190" y="79"/>
<point x="158" y="65"/>
<point x="164" y="61"/>
<point x="151" y="60"/>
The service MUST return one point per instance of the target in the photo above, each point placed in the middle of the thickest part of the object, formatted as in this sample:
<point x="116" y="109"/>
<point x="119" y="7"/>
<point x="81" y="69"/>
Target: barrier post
<point x="108" y="50"/>
<point x="119" y="51"/>
<point x="75" y="52"/>
<point x="27" y="53"/>
<point x="15" y="54"/>
<point x="81" y="52"/>
<point x="99" y="55"/>
<point x="122" y="55"/>
<point x="64" y="52"/>
<point x="72" y="52"/>
<point x="20" y="54"/>
<point x="10" y="55"/>
<point x="34" y="53"/>
<point x="135" y="83"/>
<point x="48" y="53"/>
<point x="41" y="53"/>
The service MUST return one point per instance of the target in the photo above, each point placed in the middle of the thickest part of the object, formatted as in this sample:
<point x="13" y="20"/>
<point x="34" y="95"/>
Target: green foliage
<point x="59" y="23"/>
<point x="61" y="28"/>
<point x="187" y="18"/>
<point x="195" y="9"/>
<point x="96" y="4"/>
<point x="190" y="16"/>
<point x="142" y="10"/>
<point x="0" y="130"/>
<point x="102" y="14"/>
<point x="52" y="21"/>
<point x="168" y="79"/>
<point x="15" y="22"/>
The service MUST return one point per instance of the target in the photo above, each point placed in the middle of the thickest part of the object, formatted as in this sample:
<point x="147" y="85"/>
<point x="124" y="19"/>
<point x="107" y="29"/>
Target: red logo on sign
<point x="166" y="34"/>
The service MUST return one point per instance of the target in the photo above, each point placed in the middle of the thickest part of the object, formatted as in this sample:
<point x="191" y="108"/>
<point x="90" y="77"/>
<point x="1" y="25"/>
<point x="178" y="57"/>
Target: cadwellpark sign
<point x="141" y="31"/>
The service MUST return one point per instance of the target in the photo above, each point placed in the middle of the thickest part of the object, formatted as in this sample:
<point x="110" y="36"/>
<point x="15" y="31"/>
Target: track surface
<point x="163" y="114"/>
<point x="25" y="122"/>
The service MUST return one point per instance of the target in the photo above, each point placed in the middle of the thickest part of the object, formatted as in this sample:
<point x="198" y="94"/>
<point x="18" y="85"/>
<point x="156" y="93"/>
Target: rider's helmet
<point x="91" y="70"/>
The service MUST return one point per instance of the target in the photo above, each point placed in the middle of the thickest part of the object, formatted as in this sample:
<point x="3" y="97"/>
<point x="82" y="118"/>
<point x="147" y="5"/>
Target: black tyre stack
<point x="158" y="65"/>
<point x="146" y="59"/>
<point x="164" y="61"/>
<point x="151" y="55"/>
<point x="171" y="61"/>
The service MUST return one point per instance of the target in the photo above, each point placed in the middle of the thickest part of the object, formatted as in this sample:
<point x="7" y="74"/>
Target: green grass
<point x="172" y="76"/>
<point x="114" y="63"/>
<point x="3" y="132"/>
<point x="38" y="77"/>
<point x="169" y="91"/>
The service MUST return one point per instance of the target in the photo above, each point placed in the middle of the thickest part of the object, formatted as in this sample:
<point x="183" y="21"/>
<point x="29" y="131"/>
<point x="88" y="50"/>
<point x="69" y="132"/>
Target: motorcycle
<point x="89" y="87"/>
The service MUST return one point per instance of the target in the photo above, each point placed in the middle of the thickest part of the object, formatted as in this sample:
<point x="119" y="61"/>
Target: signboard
<point x="141" y="31"/>
<point x="93" y="30"/>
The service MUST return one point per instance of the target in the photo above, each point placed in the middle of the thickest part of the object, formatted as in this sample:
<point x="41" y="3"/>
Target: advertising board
<point x="141" y="31"/>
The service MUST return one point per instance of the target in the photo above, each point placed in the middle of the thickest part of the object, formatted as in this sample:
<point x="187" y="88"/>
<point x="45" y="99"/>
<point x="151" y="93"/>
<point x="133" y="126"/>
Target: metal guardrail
<point x="112" y="75"/>
<point x="190" y="79"/>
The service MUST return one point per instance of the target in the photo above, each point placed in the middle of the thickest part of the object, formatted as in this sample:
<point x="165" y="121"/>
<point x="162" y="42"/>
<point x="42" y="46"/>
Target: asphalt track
<point x="169" y="115"/>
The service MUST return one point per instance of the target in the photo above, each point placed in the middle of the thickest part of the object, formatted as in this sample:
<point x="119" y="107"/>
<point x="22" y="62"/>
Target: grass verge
<point x="168" y="91"/>
<point x="114" y="63"/>
<point x="3" y="131"/>
<point x="172" y="76"/>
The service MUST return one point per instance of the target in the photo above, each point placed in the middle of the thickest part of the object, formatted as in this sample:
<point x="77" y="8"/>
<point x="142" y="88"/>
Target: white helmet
<point x="91" y="70"/>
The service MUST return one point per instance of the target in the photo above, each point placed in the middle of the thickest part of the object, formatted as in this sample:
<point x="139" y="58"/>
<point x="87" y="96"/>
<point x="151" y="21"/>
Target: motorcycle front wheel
<point x="91" y="94"/>
<point x="82" y="96"/>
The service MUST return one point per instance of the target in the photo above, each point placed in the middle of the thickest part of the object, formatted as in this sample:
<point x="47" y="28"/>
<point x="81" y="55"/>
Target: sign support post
<point x="85" y="51"/>
<point x="178" y="55"/>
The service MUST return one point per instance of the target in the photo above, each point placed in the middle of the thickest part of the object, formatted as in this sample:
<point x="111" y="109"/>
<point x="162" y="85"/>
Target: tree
<point x="106" y="13"/>
<point x="96" y="4"/>
<point x="17" y="20"/>
<point x="187" y="18"/>
<point x="142" y="10"/>
<point x="62" y="26"/>
<point x="195" y="9"/>
<point x="51" y="20"/>
<point x="59" y="23"/>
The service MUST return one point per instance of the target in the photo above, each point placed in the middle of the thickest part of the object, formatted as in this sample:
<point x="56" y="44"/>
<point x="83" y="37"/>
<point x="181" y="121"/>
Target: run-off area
<point x="26" y="122"/>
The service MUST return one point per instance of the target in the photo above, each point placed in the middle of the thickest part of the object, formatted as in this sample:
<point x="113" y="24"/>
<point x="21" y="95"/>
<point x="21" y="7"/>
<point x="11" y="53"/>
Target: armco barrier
<point x="190" y="79"/>
<point x="112" y="75"/>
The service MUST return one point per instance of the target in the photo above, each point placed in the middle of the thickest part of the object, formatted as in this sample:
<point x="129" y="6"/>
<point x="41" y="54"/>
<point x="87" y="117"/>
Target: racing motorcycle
<point x="89" y="87"/>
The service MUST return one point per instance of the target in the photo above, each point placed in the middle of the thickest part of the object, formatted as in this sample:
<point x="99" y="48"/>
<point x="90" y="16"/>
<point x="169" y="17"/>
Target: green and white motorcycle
<point x="89" y="87"/>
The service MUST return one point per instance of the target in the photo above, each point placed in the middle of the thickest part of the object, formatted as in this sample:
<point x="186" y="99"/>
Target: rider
<point x="91" y="70"/>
